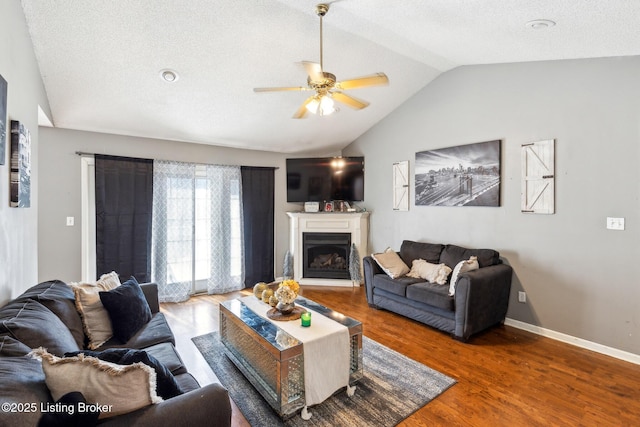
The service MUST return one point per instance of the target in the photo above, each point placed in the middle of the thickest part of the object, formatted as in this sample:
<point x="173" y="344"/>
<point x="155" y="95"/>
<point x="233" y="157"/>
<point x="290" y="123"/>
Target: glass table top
<point x="274" y="335"/>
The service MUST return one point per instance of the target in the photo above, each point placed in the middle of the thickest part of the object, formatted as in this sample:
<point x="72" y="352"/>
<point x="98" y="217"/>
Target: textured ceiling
<point x="101" y="60"/>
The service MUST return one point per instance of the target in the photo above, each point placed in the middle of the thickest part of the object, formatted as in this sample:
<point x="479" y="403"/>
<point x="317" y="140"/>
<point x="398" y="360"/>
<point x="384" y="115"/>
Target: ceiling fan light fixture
<point x="321" y="105"/>
<point x="327" y="89"/>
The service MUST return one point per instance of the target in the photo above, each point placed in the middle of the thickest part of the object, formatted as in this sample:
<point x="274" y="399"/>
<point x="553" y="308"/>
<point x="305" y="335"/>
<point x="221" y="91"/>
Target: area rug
<point x="393" y="388"/>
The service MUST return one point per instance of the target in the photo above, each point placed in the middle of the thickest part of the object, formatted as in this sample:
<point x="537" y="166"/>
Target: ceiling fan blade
<point x="352" y="102"/>
<point x="314" y="70"/>
<point x="302" y="111"/>
<point x="280" y="89"/>
<point x="372" y="80"/>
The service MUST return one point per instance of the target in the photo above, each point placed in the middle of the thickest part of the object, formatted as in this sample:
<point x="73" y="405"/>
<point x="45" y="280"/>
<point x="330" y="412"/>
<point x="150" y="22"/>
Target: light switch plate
<point x="71" y="221"/>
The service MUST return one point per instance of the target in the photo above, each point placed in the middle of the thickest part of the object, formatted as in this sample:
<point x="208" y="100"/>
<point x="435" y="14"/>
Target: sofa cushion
<point x="128" y="309"/>
<point x="395" y="286"/>
<point x="433" y="273"/>
<point x="452" y="255"/>
<point x="22" y="382"/>
<point x="166" y="385"/>
<point x="34" y="325"/>
<point x="167" y="355"/>
<point x="124" y="388"/>
<point x="155" y="332"/>
<point x="430" y="252"/>
<point x="11" y="347"/>
<point x="58" y="297"/>
<point x="95" y="319"/>
<point x="187" y="382"/>
<point x="391" y="263"/>
<point x="431" y="294"/>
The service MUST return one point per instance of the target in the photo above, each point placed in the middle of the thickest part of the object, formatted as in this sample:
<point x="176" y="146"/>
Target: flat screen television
<point x="325" y="179"/>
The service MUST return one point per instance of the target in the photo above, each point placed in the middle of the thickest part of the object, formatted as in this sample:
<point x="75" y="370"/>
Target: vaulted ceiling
<point x="101" y="60"/>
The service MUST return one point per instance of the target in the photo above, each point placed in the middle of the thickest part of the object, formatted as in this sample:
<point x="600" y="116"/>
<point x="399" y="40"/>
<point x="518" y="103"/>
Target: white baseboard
<point x="578" y="342"/>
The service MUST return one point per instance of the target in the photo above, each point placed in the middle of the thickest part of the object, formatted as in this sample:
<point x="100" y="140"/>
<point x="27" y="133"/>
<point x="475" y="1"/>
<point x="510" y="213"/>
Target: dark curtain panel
<point x="257" y="210"/>
<point x="124" y="201"/>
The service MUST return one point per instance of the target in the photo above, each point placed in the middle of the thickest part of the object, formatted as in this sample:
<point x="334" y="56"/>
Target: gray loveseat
<point x="45" y="316"/>
<point x="481" y="296"/>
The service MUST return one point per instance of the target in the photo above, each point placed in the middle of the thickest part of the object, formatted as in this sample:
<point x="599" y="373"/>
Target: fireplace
<point x="326" y="255"/>
<point x="320" y="243"/>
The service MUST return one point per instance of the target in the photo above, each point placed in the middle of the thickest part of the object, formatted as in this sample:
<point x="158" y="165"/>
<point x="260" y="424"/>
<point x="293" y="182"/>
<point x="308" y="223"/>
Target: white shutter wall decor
<point x="401" y="186"/>
<point x="538" y="177"/>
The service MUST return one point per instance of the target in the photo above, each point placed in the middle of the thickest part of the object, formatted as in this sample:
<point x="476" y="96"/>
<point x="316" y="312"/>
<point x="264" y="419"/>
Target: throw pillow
<point x="95" y="319"/>
<point x="166" y="384"/>
<point x="391" y="263"/>
<point x="117" y="389"/>
<point x="462" y="267"/>
<point x="434" y="273"/>
<point x="73" y="412"/>
<point x="128" y="309"/>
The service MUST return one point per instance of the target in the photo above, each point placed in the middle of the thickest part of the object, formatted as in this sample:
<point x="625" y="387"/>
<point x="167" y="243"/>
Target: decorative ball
<point x="266" y="294"/>
<point x="258" y="289"/>
<point x="273" y="301"/>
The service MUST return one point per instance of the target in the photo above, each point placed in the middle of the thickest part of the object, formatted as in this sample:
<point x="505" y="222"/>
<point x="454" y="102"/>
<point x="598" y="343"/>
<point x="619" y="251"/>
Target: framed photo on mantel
<point x="328" y="206"/>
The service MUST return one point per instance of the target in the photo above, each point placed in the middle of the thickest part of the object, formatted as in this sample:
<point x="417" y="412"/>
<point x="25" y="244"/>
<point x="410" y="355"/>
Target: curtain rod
<point x="82" y="153"/>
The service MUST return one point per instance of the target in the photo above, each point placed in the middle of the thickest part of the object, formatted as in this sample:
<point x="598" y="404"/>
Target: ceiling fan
<point x="326" y="87"/>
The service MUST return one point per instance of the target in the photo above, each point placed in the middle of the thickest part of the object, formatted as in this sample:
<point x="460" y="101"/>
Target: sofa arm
<point x="150" y="291"/>
<point x="370" y="268"/>
<point x="206" y="406"/>
<point x="481" y="299"/>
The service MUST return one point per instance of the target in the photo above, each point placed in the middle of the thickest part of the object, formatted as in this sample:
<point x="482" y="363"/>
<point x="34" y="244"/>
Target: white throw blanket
<point x="326" y="351"/>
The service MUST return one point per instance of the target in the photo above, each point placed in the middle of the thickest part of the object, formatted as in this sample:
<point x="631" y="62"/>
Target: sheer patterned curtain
<point x="197" y="229"/>
<point x="227" y="246"/>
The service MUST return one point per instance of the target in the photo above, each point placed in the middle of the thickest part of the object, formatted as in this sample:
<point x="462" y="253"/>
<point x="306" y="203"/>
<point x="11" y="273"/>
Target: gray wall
<point x="60" y="246"/>
<point x="579" y="277"/>
<point x="18" y="227"/>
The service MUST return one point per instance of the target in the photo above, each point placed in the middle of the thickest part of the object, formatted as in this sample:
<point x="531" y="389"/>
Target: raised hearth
<point x="321" y="243"/>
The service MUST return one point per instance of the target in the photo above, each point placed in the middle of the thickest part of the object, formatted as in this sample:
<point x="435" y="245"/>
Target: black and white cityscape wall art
<point x="3" y="119"/>
<point x="465" y="175"/>
<point x="20" y="166"/>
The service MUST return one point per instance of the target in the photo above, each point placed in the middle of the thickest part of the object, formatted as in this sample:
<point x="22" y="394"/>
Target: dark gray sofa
<point x="45" y="316"/>
<point x="481" y="297"/>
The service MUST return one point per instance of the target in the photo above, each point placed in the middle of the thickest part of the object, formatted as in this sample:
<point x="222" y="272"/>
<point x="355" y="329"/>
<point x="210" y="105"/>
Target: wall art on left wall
<point x="3" y="119"/>
<point x="20" y="165"/>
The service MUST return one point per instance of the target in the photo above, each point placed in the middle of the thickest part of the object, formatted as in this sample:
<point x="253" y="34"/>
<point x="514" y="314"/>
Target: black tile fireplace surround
<point x="326" y="255"/>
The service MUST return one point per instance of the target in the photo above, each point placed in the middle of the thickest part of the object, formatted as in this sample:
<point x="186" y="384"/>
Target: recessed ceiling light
<point x="169" y="76"/>
<point x="540" y="24"/>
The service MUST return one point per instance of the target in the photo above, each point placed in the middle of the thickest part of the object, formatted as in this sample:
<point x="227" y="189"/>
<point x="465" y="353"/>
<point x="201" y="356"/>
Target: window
<point x="197" y="229"/>
<point x="197" y="242"/>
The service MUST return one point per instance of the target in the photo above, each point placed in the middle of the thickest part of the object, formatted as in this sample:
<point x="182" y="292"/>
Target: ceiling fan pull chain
<point x="321" y="65"/>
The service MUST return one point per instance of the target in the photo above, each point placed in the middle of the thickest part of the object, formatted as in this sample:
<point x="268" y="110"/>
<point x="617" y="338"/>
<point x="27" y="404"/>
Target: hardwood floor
<point x="506" y="376"/>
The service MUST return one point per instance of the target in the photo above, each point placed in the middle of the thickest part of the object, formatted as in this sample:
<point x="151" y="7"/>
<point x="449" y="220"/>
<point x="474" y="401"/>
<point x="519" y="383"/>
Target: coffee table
<point x="271" y="359"/>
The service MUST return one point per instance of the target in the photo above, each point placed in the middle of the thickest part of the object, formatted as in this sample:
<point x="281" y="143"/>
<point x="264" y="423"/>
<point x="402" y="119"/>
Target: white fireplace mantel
<point x="356" y="223"/>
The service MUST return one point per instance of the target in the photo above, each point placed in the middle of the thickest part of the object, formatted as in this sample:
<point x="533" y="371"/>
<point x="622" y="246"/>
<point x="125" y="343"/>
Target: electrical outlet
<point x="615" y="223"/>
<point x="522" y="296"/>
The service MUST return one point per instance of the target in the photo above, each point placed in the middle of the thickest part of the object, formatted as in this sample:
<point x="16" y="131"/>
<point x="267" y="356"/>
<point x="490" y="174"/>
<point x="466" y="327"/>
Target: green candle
<point x="306" y="319"/>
